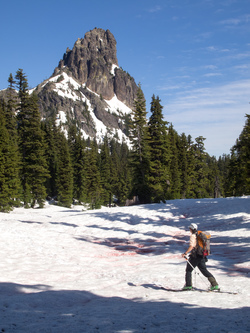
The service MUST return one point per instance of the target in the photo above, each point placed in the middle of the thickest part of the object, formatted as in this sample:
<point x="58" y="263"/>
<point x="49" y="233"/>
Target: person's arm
<point x="188" y="250"/>
<point x="192" y="245"/>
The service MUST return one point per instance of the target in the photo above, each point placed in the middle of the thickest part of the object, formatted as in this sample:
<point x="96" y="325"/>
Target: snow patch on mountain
<point x="113" y="69"/>
<point x="116" y="106"/>
<point x="61" y="118"/>
<point x="67" y="87"/>
<point x="62" y="80"/>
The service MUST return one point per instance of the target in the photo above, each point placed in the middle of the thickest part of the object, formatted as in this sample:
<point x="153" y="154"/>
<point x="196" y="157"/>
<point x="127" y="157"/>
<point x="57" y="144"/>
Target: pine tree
<point x="240" y="162"/>
<point x="234" y="175"/>
<point x="73" y="147"/>
<point x="15" y="158"/>
<point x="107" y="176"/>
<point x="51" y="135"/>
<point x="35" y="164"/>
<point x="34" y="170"/>
<point x="159" y="174"/>
<point x="121" y="171"/>
<point x="140" y="154"/>
<point x="11" y="121"/>
<point x="223" y="166"/>
<point x="64" y="172"/>
<point x="214" y="179"/>
<point x="5" y="191"/>
<point x="201" y="170"/>
<point x="183" y="163"/>
<point x="23" y="122"/>
<point x="80" y="192"/>
<point x="175" y="173"/>
<point x="93" y="178"/>
<point x="191" y="164"/>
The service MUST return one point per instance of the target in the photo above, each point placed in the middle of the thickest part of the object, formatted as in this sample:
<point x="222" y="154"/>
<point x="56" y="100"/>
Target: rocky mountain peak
<point x="89" y="89"/>
<point x="98" y="47"/>
<point x="99" y="43"/>
<point x="93" y="62"/>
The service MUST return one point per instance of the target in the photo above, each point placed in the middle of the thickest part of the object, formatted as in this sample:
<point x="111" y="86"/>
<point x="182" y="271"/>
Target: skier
<point x="196" y="260"/>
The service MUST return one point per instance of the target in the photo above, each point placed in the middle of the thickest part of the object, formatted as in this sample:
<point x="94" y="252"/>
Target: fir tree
<point x="5" y="191"/>
<point x="140" y="154"/>
<point x="214" y="179"/>
<point x="239" y="169"/>
<point x="93" y="178"/>
<point x="51" y="136"/>
<point x="79" y="191"/>
<point x="11" y="121"/>
<point x="15" y="158"/>
<point x="223" y="166"/>
<point x="121" y="171"/>
<point x="159" y="174"/>
<point x="34" y="170"/>
<point x="183" y="163"/>
<point x="106" y="172"/>
<point x="191" y="162"/>
<point x="175" y="178"/>
<point x="200" y="184"/>
<point x="23" y="136"/>
<point x="64" y="172"/>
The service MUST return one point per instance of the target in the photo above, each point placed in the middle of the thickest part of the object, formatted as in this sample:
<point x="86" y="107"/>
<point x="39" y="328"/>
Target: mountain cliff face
<point x="93" y="62"/>
<point x="89" y="88"/>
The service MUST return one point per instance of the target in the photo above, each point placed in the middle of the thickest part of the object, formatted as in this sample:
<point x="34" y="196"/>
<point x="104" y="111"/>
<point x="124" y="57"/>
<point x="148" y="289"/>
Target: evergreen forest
<point x="38" y="162"/>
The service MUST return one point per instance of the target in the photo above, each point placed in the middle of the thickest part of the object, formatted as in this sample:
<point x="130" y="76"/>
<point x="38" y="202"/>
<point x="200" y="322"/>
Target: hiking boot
<point x="187" y="288"/>
<point x="212" y="288"/>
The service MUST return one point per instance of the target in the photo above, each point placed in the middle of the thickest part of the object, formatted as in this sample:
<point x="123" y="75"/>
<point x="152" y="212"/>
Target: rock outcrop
<point x="93" y="62"/>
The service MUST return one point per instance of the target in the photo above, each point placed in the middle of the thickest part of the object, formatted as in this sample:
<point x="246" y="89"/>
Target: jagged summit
<point x="93" y="62"/>
<point x="98" y="47"/>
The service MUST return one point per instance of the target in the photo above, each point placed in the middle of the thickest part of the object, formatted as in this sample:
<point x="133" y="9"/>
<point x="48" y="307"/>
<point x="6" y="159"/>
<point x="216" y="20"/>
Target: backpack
<point x="203" y="243"/>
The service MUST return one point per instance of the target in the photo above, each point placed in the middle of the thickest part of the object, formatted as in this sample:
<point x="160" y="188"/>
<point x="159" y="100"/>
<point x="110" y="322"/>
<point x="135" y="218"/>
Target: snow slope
<point x="69" y="270"/>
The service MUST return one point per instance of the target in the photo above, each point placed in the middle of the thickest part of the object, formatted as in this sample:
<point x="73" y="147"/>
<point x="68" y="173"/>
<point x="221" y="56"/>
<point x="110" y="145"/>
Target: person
<point x="196" y="260"/>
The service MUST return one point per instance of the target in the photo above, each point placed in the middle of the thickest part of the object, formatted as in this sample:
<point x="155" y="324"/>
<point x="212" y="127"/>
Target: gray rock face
<point x="93" y="62"/>
<point x="78" y="110"/>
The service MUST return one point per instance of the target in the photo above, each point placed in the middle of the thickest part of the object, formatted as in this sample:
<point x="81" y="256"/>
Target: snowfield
<point x="69" y="270"/>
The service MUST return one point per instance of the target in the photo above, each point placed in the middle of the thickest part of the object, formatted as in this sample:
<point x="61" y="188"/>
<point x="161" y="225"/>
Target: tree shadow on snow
<point x="135" y="246"/>
<point x="230" y="252"/>
<point x="147" y="242"/>
<point x="66" y="224"/>
<point x="36" y="308"/>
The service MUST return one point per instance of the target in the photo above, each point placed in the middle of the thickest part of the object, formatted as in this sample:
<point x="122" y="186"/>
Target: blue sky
<point x="193" y="54"/>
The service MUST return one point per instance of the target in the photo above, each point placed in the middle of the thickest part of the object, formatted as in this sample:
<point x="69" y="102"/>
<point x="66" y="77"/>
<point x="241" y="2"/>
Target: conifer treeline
<point x="37" y="161"/>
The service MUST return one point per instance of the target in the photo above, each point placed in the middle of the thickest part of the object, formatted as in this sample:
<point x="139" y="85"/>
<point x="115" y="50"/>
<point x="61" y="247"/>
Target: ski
<point x="174" y="290"/>
<point x="200" y="290"/>
<point x="217" y="291"/>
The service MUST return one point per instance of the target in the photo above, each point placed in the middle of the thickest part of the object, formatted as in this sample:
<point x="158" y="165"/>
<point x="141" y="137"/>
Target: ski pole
<point x="189" y="262"/>
<point x="195" y="271"/>
<point x="193" y="268"/>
